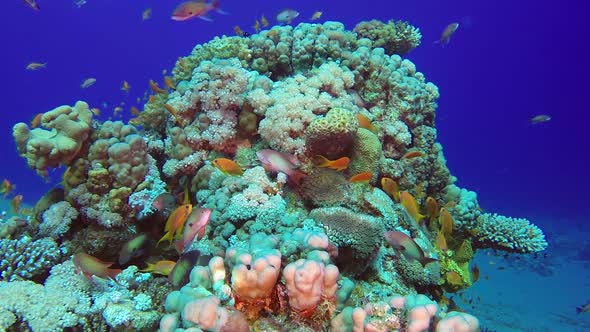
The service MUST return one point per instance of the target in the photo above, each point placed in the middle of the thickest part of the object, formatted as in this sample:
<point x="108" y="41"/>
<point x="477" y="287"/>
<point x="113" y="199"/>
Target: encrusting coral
<point x="289" y="244"/>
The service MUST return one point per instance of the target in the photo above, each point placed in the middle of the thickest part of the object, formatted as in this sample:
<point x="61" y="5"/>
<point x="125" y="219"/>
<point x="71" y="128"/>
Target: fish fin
<point x="427" y="260"/>
<point x="179" y="245"/>
<point x="167" y="236"/>
<point x="320" y="161"/>
<point x="201" y="233"/>
<point x="296" y="177"/>
<point x="113" y="273"/>
<point x="206" y="18"/>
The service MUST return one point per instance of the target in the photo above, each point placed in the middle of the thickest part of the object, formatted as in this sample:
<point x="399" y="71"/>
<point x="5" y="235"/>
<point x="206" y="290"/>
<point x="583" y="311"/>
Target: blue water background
<point x="509" y="61"/>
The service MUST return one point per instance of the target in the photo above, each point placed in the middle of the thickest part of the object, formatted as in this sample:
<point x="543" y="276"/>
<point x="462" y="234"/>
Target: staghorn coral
<point x="67" y="128"/>
<point x="25" y="258"/>
<point x="509" y="234"/>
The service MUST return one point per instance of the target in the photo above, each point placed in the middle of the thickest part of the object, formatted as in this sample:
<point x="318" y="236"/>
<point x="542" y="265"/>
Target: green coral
<point x="395" y="37"/>
<point x="366" y="153"/>
<point x="333" y="134"/>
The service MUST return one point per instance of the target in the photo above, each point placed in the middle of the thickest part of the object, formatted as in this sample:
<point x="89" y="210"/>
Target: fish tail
<point x="321" y="161"/>
<point x="579" y="310"/>
<point x="296" y="177"/>
<point x="427" y="260"/>
<point x="215" y="6"/>
<point x="167" y="236"/>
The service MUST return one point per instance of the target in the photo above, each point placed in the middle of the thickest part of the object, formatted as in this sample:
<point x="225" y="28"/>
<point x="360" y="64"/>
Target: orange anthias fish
<point x="160" y="267"/>
<point x="6" y="188"/>
<point x="146" y="14"/>
<point x="91" y="266"/>
<point x="169" y="83"/>
<point x="174" y="113"/>
<point x="264" y="21"/>
<point x="391" y="188"/>
<point x="193" y="9"/>
<point x="155" y="88"/>
<point x="410" y="205"/>
<point x="364" y="122"/>
<point x="337" y="165"/>
<point x="413" y="154"/>
<point x="441" y="241"/>
<point x="228" y="166"/>
<point x="256" y="26"/>
<point x="364" y="177"/>
<point x="175" y="222"/>
<point x="195" y="227"/>
<point x="403" y="243"/>
<point x="454" y="278"/>
<point x="447" y="33"/>
<point x="275" y="161"/>
<point x="15" y="203"/>
<point x="135" y="111"/>
<point x="239" y="31"/>
<point x="446" y="222"/>
<point x="431" y="208"/>
<point x="36" y="122"/>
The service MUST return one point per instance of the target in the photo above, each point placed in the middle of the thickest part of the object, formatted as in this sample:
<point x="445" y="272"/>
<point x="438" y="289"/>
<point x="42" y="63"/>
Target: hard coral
<point x="509" y="234"/>
<point x="333" y="134"/>
<point x="66" y="130"/>
<point x="25" y="258"/>
<point x="395" y="37"/>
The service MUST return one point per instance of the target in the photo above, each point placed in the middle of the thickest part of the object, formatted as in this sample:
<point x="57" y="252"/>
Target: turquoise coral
<point x="510" y="234"/>
<point x="25" y="258"/>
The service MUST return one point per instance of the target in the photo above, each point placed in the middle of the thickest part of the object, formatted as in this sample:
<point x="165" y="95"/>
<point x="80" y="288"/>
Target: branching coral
<point x="510" y="234"/>
<point x="24" y="258"/>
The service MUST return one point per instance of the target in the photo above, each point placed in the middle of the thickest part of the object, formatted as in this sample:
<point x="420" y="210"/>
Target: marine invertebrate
<point x="25" y="258"/>
<point x="67" y="128"/>
<point x="395" y="37"/>
<point x="324" y="187"/>
<point x="509" y="234"/>
<point x="366" y="153"/>
<point x="358" y="236"/>
<point x="57" y="219"/>
<point x="333" y="134"/>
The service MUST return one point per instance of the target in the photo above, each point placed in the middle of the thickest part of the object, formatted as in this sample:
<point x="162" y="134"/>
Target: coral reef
<point x="277" y="251"/>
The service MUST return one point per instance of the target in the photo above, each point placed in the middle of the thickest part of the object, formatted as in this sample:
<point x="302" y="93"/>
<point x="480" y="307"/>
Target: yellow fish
<point x="160" y="267"/>
<point x="446" y="222"/>
<point x="256" y="26"/>
<point x="391" y="188"/>
<point x="228" y="166"/>
<point x="410" y="205"/>
<point x="264" y="21"/>
<point x="431" y="208"/>
<point x="316" y="15"/>
<point x="175" y="223"/>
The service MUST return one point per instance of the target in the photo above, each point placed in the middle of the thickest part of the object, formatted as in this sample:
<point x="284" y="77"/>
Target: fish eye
<point x="190" y="13"/>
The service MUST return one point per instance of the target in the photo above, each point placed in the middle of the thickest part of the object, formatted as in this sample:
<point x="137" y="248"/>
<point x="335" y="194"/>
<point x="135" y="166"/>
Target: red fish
<point x="91" y="266"/>
<point x="274" y="161"/>
<point x="408" y="247"/>
<point x="195" y="226"/>
<point x="192" y="9"/>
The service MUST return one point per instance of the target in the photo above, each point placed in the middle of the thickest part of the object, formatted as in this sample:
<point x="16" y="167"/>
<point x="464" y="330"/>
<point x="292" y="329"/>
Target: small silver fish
<point x="286" y="16"/>
<point x="447" y="33"/>
<point x="33" y="4"/>
<point x="540" y="118"/>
